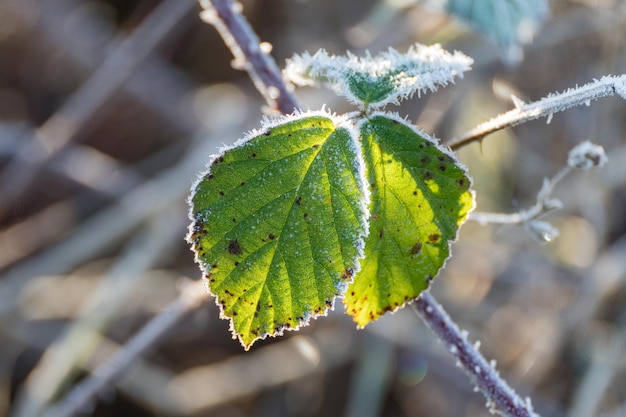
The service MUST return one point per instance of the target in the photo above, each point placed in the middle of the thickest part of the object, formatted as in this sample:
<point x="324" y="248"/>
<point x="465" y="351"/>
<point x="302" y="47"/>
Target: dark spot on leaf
<point x="441" y="158"/>
<point x="299" y="200"/>
<point x="461" y="182"/>
<point x="373" y="185"/>
<point x="234" y="220"/>
<point x="388" y="308"/>
<point x="267" y="132"/>
<point x="214" y="266"/>
<point x="242" y="183"/>
<point x="352" y="293"/>
<point x="428" y="175"/>
<point x="425" y="160"/>
<point x="381" y="233"/>
<point x="416" y="248"/>
<point x="429" y="278"/>
<point x="271" y="236"/>
<point x="306" y="215"/>
<point x="414" y="192"/>
<point x="234" y="248"/>
<point x="329" y="303"/>
<point x="389" y="161"/>
<point x="254" y="155"/>
<point x="434" y="238"/>
<point x="220" y="159"/>
<point x="442" y="167"/>
<point x="314" y="146"/>
<point x="210" y="176"/>
<point x="234" y="313"/>
<point x="236" y="263"/>
<point x="221" y="192"/>
<point x="347" y="274"/>
<point x="254" y="331"/>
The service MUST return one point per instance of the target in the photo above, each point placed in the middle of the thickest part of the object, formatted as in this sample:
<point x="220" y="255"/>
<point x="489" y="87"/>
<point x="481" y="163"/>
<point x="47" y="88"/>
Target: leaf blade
<point x="419" y="197"/>
<point x="278" y="224"/>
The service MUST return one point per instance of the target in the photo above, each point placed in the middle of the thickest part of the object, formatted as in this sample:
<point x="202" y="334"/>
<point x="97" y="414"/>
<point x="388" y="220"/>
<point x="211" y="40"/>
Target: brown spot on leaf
<point x="434" y="238"/>
<point x="234" y="248"/>
<point x="271" y="236"/>
<point x="428" y="175"/>
<point x="416" y="248"/>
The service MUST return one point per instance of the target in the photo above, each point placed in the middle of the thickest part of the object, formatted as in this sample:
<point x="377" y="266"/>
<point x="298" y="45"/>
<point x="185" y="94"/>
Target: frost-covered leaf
<point x="278" y="222"/>
<point x="374" y="81"/>
<point x="509" y="23"/>
<point x="419" y="197"/>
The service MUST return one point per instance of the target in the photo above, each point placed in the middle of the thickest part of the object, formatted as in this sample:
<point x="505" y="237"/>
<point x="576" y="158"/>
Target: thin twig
<point x="240" y="38"/>
<point x="498" y="393"/>
<point x="58" y="131"/>
<point x="546" y="107"/>
<point x="501" y="398"/>
<point x="191" y="297"/>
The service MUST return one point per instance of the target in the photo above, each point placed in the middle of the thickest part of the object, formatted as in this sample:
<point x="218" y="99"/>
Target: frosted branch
<point x="546" y="107"/>
<point x="501" y="399"/>
<point x="250" y="54"/>
<point x="584" y="156"/>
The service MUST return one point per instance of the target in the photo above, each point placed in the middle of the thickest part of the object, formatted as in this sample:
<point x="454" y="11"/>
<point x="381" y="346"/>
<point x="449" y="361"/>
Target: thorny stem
<point x="546" y="107"/>
<point x="501" y="399"/>
<point x="500" y="396"/>
<point x="237" y="34"/>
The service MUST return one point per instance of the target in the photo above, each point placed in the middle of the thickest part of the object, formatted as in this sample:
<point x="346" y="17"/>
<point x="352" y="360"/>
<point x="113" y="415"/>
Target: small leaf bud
<point x="586" y="155"/>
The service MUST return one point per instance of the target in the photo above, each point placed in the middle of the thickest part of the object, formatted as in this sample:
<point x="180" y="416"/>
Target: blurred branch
<point x="501" y="399"/>
<point x="192" y="295"/>
<point x="58" y="131"/>
<point x="107" y="226"/>
<point x="546" y="107"/>
<point x="240" y="38"/>
<point x="74" y="346"/>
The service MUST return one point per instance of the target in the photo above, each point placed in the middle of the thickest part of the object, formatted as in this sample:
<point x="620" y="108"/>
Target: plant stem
<point x="501" y="399"/>
<point x="546" y="107"/>
<point x="237" y="34"/>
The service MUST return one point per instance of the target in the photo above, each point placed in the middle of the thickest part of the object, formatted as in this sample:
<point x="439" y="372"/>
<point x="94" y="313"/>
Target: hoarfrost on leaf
<point x="278" y="222"/>
<point x="375" y="81"/>
<point x="419" y="196"/>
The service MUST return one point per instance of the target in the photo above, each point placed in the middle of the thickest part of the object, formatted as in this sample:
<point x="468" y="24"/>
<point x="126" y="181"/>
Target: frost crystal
<point x="586" y="155"/>
<point x="374" y="81"/>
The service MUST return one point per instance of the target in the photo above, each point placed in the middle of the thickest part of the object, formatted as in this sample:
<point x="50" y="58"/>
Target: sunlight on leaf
<point x="419" y="197"/>
<point x="278" y="223"/>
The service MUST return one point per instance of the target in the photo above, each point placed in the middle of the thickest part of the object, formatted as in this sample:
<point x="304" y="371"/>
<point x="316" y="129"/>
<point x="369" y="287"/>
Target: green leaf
<point x="375" y="81"/>
<point x="509" y="23"/>
<point x="278" y="222"/>
<point x="419" y="197"/>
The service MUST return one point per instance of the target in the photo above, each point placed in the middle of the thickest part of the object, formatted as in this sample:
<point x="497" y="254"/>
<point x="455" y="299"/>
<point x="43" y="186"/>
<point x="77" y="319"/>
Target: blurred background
<point x="108" y="109"/>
